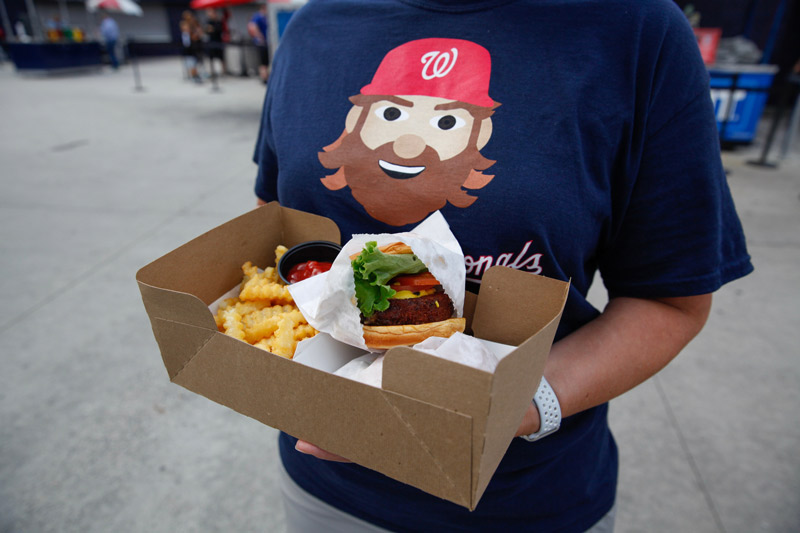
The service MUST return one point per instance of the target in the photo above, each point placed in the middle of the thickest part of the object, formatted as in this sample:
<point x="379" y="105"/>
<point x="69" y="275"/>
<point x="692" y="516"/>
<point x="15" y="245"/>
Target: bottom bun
<point x="384" y="337"/>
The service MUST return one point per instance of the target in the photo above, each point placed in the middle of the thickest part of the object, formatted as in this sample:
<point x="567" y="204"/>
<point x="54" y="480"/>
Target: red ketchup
<point x="302" y="271"/>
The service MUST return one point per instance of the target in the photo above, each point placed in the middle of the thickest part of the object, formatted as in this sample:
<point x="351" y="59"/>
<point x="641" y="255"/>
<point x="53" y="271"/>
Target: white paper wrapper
<point x="373" y="374"/>
<point x="352" y="369"/>
<point x="367" y="369"/>
<point x="325" y="353"/>
<point x="326" y="300"/>
<point x="461" y="349"/>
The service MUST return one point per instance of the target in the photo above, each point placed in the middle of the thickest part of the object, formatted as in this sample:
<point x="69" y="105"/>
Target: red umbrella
<point x="203" y="4"/>
<point x="121" y="6"/>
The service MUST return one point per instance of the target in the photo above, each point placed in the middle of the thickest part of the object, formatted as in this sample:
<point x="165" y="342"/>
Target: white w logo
<point x="438" y="64"/>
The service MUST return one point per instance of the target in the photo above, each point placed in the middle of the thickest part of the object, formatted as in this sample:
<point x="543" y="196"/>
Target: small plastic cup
<point x="306" y="251"/>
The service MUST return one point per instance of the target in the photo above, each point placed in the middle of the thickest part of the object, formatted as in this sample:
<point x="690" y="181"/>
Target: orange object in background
<point x="708" y="41"/>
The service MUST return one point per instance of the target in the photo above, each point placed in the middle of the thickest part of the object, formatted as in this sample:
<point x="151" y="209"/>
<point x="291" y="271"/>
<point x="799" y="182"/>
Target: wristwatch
<point x="549" y="411"/>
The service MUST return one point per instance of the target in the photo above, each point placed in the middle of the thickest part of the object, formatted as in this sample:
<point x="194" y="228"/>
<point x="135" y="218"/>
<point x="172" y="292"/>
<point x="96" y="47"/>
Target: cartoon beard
<point x="403" y="191"/>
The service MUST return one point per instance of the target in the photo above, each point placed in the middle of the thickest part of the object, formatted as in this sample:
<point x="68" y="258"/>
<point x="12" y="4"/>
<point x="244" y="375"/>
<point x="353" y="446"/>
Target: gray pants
<point x="308" y="514"/>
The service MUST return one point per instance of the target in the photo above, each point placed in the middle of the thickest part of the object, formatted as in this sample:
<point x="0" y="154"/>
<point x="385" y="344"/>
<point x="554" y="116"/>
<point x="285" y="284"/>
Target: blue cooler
<point x="739" y="93"/>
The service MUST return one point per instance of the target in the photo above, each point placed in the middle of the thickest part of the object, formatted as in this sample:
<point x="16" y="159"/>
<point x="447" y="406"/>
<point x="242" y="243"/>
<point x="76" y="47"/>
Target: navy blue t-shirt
<point x="558" y="137"/>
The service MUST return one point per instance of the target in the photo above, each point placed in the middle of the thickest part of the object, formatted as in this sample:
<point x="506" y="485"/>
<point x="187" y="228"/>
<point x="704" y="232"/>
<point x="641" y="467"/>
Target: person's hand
<point x="530" y="421"/>
<point x="306" y="447"/>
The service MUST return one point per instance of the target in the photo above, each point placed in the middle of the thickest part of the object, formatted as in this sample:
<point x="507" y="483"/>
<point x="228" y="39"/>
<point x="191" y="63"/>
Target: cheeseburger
<point x="401" y="303"/>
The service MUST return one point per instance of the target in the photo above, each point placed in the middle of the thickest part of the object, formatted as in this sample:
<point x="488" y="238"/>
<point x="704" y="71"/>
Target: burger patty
<point x="431" y="308"/>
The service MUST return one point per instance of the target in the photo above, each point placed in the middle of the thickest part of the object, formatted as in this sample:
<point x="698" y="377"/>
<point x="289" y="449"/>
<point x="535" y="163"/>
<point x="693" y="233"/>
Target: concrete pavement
<point x="99" y="179"/>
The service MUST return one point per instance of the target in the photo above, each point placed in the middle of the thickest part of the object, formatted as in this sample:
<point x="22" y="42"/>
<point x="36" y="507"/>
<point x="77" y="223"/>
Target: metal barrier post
<point x="242" y="60"/>
<point x="214" y="86"/>
<point x="137" y="78"/>
<point x="729" y="107"/>
<point x="762" y="161"/>
<point x="794" y="119"/>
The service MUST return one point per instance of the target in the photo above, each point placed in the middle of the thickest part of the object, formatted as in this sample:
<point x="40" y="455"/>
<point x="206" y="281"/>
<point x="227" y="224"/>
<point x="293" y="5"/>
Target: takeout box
<point x="437" y="425"/>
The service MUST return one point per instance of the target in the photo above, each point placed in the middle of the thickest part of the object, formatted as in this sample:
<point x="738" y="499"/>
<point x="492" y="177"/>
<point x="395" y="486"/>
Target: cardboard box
<point x="437" y="425"/>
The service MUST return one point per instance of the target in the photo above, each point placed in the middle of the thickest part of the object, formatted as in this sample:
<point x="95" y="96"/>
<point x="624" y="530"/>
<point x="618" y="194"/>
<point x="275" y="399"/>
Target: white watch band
<point x="549" y="411"/>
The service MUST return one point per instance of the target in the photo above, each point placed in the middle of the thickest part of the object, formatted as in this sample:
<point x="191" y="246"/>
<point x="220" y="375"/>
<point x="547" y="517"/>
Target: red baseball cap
<point x="447" y="68"/>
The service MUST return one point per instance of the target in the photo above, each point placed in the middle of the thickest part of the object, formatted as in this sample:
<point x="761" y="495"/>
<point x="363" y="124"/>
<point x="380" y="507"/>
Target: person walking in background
<point x="191" y="48"/>
<point x="214" y="29"/>
<point x="109" y="31"/>
<point x="564" y="139"/>
<point x="257" y="28"/>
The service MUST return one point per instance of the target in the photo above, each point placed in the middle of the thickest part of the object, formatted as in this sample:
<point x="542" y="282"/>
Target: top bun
<point x="396" y="248"/>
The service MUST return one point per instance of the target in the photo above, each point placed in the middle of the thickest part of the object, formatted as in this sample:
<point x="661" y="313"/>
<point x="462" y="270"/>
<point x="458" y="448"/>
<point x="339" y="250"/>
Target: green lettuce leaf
<point x="372" y="271"/>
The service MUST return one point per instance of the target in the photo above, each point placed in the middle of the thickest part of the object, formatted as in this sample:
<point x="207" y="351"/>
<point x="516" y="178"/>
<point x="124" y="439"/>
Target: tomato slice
<point x="414" y="282"/>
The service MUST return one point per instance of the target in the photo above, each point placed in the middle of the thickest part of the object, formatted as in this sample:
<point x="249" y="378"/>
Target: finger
<point x="306" y="447"/>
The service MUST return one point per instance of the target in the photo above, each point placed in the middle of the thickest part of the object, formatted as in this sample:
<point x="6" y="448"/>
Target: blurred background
<point x="105" y="167"/>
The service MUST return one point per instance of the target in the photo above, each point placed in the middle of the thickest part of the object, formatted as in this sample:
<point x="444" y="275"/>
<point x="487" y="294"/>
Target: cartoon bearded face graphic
<point x="412" y="138"/>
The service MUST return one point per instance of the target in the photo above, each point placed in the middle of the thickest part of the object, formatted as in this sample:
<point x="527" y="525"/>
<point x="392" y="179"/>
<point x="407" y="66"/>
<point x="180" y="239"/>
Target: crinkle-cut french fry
<point x="288" y="321"/>
<point x="232" y="323"/>
<point x="243" y="308"/>
<point x="264" y="323"/>
<point x="271" y="274"/>
<point x="264" y="313"/>
<point x="249" y="270"/>
<point x="255" y="306"/>
<point x="285" y="351"/>
<point x="279" y="251"/>
<point x="259" y="288"/>
<point x="225" y="304"/>
<point x="264" y="344"/>
<point x="304" y="331"/>
<point x="251" y="318"/>
<point x="284" y="343"/>
<point x="228" y="302"/>
<point x="262" y="329"/>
